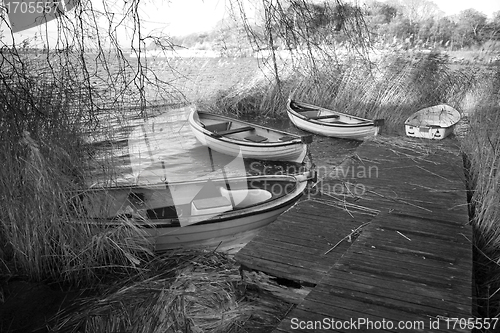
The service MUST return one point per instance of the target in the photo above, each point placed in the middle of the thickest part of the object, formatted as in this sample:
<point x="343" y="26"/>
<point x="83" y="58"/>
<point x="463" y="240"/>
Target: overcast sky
<point x="452" y="7"/>
<point x="181" y="17"/>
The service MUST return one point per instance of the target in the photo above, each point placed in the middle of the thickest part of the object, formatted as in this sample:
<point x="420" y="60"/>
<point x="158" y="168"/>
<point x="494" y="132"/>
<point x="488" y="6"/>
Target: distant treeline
<point x="404" y="24"/>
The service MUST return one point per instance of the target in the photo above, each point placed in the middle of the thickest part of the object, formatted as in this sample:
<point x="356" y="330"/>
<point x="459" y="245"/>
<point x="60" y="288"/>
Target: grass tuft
<point x="188" y="291"/>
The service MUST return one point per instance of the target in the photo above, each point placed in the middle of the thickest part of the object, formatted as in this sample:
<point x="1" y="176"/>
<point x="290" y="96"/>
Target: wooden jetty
<point x="392" y="248"/>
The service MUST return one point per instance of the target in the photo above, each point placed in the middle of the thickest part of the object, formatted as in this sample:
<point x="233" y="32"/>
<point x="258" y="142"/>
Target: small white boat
<point x="199" y="213"/>
<point x="435" y="122"/>
<point x="331" y="123"/>
<point x="231" y="136"/>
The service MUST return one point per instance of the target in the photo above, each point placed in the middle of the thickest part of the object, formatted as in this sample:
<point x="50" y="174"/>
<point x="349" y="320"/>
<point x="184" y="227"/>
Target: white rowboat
<point x="435" y="122"/>
<point x="199" y="213"/>
<point x="232" y="136"/>
<point x="331" y="123"/>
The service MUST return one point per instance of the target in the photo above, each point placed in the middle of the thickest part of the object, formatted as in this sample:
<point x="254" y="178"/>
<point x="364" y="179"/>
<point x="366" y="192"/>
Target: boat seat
<point x="236" y="130"/>
<point x="330" y="116"/>
<point x="287" y="138"/>
<point x="244" y="198"/>
<point x="218" y="127"/>
<point x="256" y="138"/>
<point x="213" y="205"/>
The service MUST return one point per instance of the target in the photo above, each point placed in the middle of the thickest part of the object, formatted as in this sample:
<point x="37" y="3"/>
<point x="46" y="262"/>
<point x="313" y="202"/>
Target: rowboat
<point x="231" y="136"/>
<point x="331" y="123"/>
<point x="198" y="213"/>
<point x="434" y="122"/>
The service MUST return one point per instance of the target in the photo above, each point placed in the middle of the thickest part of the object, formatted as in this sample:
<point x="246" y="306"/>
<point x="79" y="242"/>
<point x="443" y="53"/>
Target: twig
<point x="346" y="237"/>
<point x="433" y="173"/>
<point x="399" y="200"/>
<point x="344" y="204"/>
<point x="403" y="235"/>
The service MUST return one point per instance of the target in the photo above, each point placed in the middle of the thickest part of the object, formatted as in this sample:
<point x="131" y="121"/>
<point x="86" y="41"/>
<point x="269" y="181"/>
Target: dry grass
<point x="44" y="162"/>
<point x="482" y="148"/>
<point x="189" y="291"/>
<point x="392" y="89"/>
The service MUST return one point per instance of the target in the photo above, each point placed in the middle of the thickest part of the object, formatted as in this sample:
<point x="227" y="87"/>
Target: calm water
<point x="164" y="148"/>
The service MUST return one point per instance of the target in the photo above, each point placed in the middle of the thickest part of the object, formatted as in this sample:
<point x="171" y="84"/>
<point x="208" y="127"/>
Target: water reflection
<point x="164" y="148"/>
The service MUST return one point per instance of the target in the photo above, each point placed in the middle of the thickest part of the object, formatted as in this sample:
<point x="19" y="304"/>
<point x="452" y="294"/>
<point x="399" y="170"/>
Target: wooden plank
<point x="314" y="239"/>
<point x="436" y="252"/>
<point x="345" y="298"/>
<point x="404" y="287"/>
<point x="311" y="222"/>
<point x="272" y="256"/>
<point x="382" y="235"/>
<point x="401" y="272"/>
<point x="293" y="257"/>
<point x="234" y="131"/>
<point x="411" y="262"/>
<point x="320" y="209"/>
<point x="391" y="296"/>
<point x="311" y="231"/>
<point x="409" y="249"/>
<point x="262" y="242"/>
<point x="314" y="243"/>
<point x="303" y="275"/>
<point x="429" y="228"/>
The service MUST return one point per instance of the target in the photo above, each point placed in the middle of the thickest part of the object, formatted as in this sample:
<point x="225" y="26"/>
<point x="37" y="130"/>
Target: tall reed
<point x="392" y="88"/>
<point x="482" y="149"/>
<point x="44" y="162"/>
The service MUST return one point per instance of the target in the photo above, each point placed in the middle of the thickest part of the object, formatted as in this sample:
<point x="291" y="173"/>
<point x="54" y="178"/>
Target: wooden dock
<point x="395" y="249"/>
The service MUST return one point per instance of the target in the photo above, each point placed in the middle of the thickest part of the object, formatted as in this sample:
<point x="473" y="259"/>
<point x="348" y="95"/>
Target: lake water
<point x="140" y="152"/>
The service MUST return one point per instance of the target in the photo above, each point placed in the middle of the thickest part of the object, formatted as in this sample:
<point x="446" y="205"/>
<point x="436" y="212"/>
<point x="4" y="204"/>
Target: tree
<point x="492" y="29"/>
<point x="470" y="25"/>
<point x="381" y="13"/>
<point x="442" y="31"/>
<point x="418" y="10"/>
<point x="308" y="30"/>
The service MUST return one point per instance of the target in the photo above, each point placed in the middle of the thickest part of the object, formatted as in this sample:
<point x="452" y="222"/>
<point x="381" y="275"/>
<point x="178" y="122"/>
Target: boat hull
<point x="219" y="235"/>
<point x="188" y="214"/>
<point x="343" y="126"/>
<point x="435" y="122"/>
<point x="426" y="132"/>
<point x="294" y="150"/>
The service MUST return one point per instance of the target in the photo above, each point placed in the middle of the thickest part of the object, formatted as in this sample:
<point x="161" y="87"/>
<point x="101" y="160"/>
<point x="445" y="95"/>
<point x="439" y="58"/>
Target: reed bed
<point x="392" y="89"/>
<point x="481" y="146"/>
<point x="45" y="161"/>
<point x="188" y="291"/>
